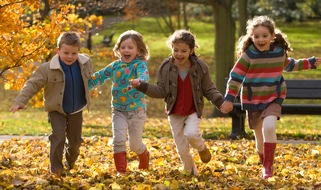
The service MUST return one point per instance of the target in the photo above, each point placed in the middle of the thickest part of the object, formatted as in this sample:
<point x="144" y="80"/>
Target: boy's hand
<point x="226" y="107"/>
<point x="16" y="108"/>
<point x="134" y="82"/>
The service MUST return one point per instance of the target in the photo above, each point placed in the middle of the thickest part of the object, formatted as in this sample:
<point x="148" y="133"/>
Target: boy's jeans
<point x="64" y="126"/>
<point x="133" y="122"/>
<point x="186" y="133"/>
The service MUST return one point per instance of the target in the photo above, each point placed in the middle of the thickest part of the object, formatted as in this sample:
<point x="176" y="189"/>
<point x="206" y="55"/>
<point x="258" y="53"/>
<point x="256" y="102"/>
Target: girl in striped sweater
<point x="257" y="74"/>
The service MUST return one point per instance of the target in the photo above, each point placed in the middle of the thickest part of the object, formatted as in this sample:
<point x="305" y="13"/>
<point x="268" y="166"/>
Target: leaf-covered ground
<point x="24" y="165"/>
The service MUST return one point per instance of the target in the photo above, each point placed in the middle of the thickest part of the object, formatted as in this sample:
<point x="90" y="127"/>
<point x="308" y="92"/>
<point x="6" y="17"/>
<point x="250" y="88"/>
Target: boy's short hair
<point x="69" y="38"/>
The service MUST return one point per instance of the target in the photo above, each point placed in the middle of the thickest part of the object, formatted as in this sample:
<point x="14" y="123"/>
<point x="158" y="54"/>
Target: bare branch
<point x="204" y="2"/>
<point x="8" y="4"/>
<point x="17" y="63"/>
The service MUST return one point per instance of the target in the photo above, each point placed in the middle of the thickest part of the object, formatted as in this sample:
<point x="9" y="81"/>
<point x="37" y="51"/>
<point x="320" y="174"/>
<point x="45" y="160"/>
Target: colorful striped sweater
<point x="124" y="96"/>
<point x="259" y="76"/>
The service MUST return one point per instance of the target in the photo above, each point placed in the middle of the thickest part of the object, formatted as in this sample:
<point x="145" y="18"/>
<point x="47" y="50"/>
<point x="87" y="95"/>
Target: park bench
<point x="108" y="39"/>
<point x="302" y="98"/>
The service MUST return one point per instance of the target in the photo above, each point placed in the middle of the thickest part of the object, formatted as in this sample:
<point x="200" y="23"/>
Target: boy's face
<point x="68" y="54"/>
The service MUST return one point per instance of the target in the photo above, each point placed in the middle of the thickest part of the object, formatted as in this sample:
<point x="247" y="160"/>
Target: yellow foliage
<point x="24" y="165"/>
<point x="27" y="41"/>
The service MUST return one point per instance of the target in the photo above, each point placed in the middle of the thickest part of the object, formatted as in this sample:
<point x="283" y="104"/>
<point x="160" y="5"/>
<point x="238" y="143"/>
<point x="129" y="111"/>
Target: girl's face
<point x="128" y="50"/>
<point x="181" y="52"/>
<point x="262" y="38"/>
<point x="68" y="54"/>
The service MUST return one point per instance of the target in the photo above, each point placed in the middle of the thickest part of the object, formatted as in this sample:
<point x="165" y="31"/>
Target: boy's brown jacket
<point x="166" y="86"/>
<point x="51" y="77"/>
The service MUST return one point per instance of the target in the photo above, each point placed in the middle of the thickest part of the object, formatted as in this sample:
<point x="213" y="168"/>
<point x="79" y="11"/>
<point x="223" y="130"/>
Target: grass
<point x="304" y="38"/>
<point x="97" y="122"/>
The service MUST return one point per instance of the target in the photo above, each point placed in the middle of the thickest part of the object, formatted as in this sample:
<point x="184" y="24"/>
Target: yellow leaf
<point x="174" y="184"/>
<point x="115" y="186"/>
<point x="233" y="146"/>
<point x="167" y="183"/>
<point x="231" y="168"/>
<point x="7" y="86"/>
<point x="32" y="7"/>
<point x="285" y="172"/>
<point x="160" y="161"/>
<point x="271" y="179"/>
<point x="144" y="187"/>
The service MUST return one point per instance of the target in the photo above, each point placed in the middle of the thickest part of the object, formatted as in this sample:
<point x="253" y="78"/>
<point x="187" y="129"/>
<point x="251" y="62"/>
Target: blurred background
<point x="29" y="30"/>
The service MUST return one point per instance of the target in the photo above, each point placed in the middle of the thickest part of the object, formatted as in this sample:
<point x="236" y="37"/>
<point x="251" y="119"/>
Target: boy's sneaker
<point x="57" y="173"/>
<point x="205" y="155"/>
<point x="68" y="165"/>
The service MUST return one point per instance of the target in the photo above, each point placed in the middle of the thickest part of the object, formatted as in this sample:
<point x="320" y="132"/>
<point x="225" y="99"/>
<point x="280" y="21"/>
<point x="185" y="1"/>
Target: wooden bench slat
<point x="303" y="93"/>
<point x="303" y="109"/>
<point x="303" y="84"/>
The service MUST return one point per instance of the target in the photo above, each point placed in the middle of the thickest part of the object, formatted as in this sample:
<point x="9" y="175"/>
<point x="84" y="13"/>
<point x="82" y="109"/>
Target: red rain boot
<point x="269" y="149"/>
<point x="120" y="162"/>
<point x="143" y="160"/>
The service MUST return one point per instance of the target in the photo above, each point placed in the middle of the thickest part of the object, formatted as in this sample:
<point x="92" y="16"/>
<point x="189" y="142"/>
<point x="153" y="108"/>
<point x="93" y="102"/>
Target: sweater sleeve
<point x="99" y="77"/>
<point x="236" y="77"/>
<point x="298" y="65"/>
<point x="142" y="72"/>
<point x="209" y="89"/>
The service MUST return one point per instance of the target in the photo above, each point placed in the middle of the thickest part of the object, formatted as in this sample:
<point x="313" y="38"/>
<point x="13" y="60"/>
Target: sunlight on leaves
<point x="24" y="164"/>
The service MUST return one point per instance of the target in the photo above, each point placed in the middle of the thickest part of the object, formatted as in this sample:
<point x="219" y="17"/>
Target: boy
<point x="65" y="82"/>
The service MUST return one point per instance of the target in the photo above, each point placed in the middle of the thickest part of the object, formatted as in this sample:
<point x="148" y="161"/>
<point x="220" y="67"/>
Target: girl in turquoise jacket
<point x="128" y="104"/>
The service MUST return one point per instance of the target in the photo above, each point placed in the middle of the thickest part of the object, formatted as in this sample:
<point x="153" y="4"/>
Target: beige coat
<point x="166" y="86"/>
<point x="51" y="77"/>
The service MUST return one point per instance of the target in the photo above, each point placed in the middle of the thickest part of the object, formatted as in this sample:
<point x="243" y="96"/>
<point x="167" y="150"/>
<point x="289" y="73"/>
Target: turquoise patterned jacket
<point x="124" y="96"/>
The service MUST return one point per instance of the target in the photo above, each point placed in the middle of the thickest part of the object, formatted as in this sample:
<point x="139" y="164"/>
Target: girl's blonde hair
<point x="184" y="36"/>
<point x="246" y="40"/>
<point x="138" y="39"/>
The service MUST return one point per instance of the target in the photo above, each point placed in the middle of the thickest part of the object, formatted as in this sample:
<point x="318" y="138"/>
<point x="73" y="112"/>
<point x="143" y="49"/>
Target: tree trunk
<point x="224" y="44"/>
<point x="179" y="15"/>
<point x="185" y="17"/>
<point x="242" y="7"/>
<point x="45" y="12"/>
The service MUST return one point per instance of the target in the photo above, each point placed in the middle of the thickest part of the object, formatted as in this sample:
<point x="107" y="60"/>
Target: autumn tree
<point x="27" y="37"/>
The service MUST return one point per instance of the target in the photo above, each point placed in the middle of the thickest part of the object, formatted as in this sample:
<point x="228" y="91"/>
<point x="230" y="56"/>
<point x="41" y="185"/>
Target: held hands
<point x="226" y="107"/>
<point x="317" y="62"/>
<point x="134" y="82"/>
<point x="16" y="108"/>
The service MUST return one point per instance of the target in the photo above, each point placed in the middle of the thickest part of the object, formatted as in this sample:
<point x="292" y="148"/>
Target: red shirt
<point x="184" y="104"/>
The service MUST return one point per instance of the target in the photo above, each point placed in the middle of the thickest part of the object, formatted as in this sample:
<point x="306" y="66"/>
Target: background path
<point x="9" y="137"/>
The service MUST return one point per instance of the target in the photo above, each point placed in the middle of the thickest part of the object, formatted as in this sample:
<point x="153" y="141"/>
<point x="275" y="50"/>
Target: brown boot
<point x="260" y="157"/>
<point x="205" y="155"/>
<point x="143" y="160"/>
<point x="269" y="149"/>
<point x="120" y="162"/>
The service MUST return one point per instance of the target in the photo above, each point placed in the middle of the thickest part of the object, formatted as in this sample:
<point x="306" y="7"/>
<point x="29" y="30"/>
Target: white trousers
<point x="186" y="133"/>
<point x="131" y="122"/>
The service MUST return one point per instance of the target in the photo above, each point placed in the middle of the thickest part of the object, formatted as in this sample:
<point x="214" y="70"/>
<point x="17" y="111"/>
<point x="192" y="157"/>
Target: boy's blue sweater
<point x="74" y="94"/>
